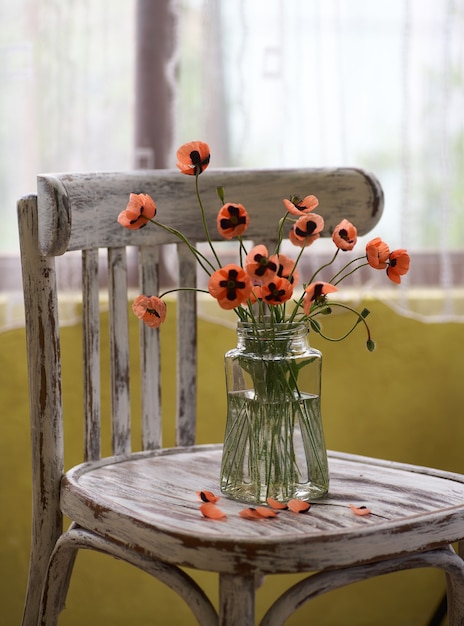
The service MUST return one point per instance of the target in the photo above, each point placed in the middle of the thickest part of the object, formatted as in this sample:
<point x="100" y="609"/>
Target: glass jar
<point x="274" y="442"/>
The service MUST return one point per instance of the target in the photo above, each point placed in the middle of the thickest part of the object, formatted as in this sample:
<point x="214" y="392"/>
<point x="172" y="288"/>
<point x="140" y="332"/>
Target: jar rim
<point x="267" y="324"/>
<point x="282" y="331"/>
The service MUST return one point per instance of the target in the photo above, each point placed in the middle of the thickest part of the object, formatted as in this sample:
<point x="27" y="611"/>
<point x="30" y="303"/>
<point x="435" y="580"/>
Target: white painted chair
<point x="114" y="501"/>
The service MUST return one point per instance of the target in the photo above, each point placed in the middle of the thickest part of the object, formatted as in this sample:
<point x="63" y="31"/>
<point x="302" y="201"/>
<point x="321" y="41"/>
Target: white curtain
<point x="267" y="83"/>
<point x="378" y="85"/>
<point x="67" y="93"/>
<point x="66" y="103"/>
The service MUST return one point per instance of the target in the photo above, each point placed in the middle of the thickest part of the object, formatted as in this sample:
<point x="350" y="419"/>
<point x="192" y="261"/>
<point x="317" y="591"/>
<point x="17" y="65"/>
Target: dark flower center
<point x="231" y="284"/>
<point x="234" y="219"/>
<point x="275" y="293"/>
<point x="198" y="162"/>
<point x="264" y="264"/>
<point x="310" y="228"/>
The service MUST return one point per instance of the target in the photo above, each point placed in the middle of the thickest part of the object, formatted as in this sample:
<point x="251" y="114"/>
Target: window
<point x="267" y="83"/>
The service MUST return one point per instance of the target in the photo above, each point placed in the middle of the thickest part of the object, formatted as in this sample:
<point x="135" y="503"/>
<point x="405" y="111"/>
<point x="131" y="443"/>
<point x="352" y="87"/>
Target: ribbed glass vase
<point x="274" y="442"/>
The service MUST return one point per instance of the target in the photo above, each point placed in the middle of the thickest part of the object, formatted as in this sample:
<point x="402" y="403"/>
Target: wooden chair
<point x="113" y="502"/>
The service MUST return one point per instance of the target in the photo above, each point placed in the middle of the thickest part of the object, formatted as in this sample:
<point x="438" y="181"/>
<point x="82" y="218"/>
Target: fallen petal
<point x="276" y="505"/>
<point x="264" y="511"/>
<point x="207" y="496"/>
<point x="210" y="510"/>
<point x="298" y="506"/>
<point x="250" y="513"/>
<point x="360" y="510"/>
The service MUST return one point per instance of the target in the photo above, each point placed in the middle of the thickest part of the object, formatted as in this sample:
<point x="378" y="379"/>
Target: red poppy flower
<point x="232" y="220"/>
<point x="296" y="206"/>
<point x="287" y="269"/>
<point x="345" y="235"/>
<point x="193" y="157"/>
<point x="150" y="309"/>
<point x="230" y="285"/>
<point x="277" y="291"/>
<point x="398" y="265"/>
<point x="259" y="265"/>
<point x="377" y="253"/>
<point x="306" y="230"/>
<point x="316" y="292"/>
<point x="140" y="209"/>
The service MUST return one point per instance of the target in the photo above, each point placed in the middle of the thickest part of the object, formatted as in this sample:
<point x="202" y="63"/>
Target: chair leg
<point x="236" y="600"/>
<point x="33" y="594"/>
<point x="40" y="553"/>
<point x="56" y="583"/>
<point x="455" y="599"/>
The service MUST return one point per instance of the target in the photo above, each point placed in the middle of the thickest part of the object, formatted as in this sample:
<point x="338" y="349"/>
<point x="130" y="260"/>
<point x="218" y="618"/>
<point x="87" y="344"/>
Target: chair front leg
<point x="236" y="600"/>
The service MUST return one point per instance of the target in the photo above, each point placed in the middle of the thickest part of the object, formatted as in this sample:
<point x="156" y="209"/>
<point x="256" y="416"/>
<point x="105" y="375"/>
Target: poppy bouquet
<point x="261" y="289"/>
<point x="274" y="444"/>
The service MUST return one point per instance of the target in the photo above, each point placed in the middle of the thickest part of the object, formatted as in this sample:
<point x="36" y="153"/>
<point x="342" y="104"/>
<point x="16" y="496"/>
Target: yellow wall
<point x="403" y="402"/>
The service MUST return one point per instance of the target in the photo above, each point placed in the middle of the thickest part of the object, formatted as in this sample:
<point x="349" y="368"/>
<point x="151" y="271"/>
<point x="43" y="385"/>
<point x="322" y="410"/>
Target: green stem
<point x="349" y="273"/>
<point x="311" y="280"/>
<point x="281" y="232"/>
<point x="203" y="218"/>
<point x="202" y="260"/>
<point x="242" y="250"/>
<point x="197" y="289"/>
<point x="360" y="318"/>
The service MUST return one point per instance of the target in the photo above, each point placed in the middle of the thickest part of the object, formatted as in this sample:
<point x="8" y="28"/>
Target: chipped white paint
<point x="142" y="507"/>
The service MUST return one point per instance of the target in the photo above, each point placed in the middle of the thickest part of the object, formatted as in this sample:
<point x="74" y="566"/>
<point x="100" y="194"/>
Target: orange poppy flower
<point x="306" y="230"/>
<point x="298" y="506"/>
<point x="398" y="265"/>
<point x="230" y="285"/>
<point x="259" y="265"/>
<point x="345" y="235"/>
<point x="316" y="292"/>
<point x="360" y="510"/>
<point x="208" y="509"/>
<point x="193" y="157"/>
<point x="296" y="206"/>
<point x="377" y="253"/>
<point x="232" y="220"/>
<point x="287" y="269"/>
<point x="150" y="309"/>
<point x="277" y="291"/>
<point x="138" y="212"/>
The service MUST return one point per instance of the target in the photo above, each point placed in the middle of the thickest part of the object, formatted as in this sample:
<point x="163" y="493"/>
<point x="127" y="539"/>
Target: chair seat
<point x="149" y="500"/>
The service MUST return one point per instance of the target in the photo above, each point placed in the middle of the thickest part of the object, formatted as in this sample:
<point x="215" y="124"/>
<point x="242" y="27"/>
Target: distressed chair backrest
<point x="79" y="212"/>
